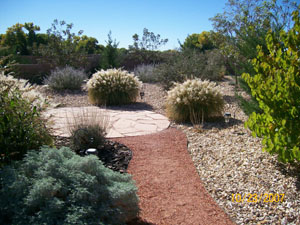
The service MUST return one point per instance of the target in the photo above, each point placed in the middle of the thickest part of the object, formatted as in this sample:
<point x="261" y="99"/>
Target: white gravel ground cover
<point x="250" y="185"/>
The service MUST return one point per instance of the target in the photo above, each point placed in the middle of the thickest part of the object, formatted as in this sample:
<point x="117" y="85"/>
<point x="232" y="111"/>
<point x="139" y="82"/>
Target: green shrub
<point x="194" y="100"/>
<point x="145" y="73"/>
<point x="248" y="105"/>
<point x="113" y="87"/>
<point x="215" y="68"/>
<point x="66" y="78"/>
<point x="134" y="57"/>
<point x="189" y="65"/>
<point x="276" y="87"/>
<point x="21" y="125"/>
<point x="53" y="186"/>
<point x="87" y="128"/>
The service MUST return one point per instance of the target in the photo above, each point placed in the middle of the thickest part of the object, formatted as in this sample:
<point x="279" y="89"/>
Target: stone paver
<point x="121" y="123"/>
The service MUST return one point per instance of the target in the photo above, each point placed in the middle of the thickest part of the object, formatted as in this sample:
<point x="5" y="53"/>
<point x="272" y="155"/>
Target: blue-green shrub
<point x="53" y="186"/>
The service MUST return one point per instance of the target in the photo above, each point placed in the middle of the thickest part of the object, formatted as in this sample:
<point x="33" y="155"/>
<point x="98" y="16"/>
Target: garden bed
<point x="229" y="161"/>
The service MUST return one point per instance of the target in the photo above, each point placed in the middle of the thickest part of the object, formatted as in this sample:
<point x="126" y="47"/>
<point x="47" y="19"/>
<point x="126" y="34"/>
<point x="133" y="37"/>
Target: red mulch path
<point x="169" y="187"/>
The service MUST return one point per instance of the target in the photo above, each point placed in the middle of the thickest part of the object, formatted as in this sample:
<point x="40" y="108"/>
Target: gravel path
<point x="229" y="161"/>
<point x="162" y="169"/>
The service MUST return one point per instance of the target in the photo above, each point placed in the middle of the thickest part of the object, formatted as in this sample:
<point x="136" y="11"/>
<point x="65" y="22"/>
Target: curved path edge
<point x="120" y="123"/>
<point x="169" y="187"/>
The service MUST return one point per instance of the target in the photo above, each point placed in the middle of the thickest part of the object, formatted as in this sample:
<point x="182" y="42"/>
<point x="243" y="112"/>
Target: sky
<point x="172" y="19"/>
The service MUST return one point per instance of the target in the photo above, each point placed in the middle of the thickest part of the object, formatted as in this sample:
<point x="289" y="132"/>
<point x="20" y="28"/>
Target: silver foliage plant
<point x="54" y="186"/>
<point x="66" y="78"/>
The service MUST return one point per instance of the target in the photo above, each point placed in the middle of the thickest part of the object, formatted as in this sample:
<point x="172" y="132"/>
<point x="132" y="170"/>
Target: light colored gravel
<point x="229" y="161"/>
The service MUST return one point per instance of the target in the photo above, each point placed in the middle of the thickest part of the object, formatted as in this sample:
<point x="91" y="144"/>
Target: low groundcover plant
<point x="54" y="186"/>
<point x="113" y="87"/>
<point x="193" y="100"/>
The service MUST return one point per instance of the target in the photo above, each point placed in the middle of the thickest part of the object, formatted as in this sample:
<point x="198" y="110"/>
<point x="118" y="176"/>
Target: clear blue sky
<point x="172" y="19"/>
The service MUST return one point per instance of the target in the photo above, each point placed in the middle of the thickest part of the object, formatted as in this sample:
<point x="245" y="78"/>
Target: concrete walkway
<point x="120" y="123"/>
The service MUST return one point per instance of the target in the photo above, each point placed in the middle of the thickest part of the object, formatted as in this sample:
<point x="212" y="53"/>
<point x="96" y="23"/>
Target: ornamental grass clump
<point x="193" y="101"/>
<point x="10" y="85"/>
<point x="54" y="186"/>
<point x="66" y="78"/>
<point x="87" y="127"/>
<point x="113" y="87"/>
<point x="22" y="127"/>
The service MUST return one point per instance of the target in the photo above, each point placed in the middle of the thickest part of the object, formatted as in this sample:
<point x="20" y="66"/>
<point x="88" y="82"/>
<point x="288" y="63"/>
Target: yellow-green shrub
<point x="113" y="87"/>
<point x="276" y="87"/>
<point x="193" y="99"/>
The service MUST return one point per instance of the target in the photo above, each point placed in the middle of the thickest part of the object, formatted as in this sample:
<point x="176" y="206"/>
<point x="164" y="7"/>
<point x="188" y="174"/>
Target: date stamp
<point x="256" y="198"/>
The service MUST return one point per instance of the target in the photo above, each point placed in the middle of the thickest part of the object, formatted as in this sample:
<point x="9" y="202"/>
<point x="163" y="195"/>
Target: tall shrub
<point x="188" y="65"/>
<point x="21" y="126"/>
<point x="276" y="86"/>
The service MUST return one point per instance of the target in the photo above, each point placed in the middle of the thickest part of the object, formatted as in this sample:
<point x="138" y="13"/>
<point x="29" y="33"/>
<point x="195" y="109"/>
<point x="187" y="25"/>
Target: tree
<point x="89" y="45"/>
<point x="149" y="41"/>
<point x="31" y="36"/>
<point x="109" y="58"/>
<point x="18" y="41"/>
<point x="60" y="49"/>
<point x="276" y="86"/>
<point x="245" y="24"/>
<point x="15" y="39"/>
<point x="201" y="42"/>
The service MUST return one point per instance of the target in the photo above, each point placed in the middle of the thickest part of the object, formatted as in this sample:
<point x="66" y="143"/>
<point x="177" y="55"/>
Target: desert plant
<point x="215" y="65"/>
<point x="188" y="65"/>
<point x="276" y="87"/>
<point x="113" y="87"/>
<point x="21" y="126"/>
<point x="54" y="186"/>
<point x="61" y="47"/>
<point x="87" y="127"/>
<point x="134" y="57"/>
<point x="149" y="41"/>
<point x="9" y="84"/>
<point x="66" y="78"/>
<point x="193" y="101"/>
<point x="145" y="73"/>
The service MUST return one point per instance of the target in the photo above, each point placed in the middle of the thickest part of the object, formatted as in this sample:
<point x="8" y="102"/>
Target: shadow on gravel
<point x="218" y="123"/>
<point x="229" y="99"/>
<point x="132" y="107"/>
<point x="291" y="170"/>
<point x="138" y="221"/>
